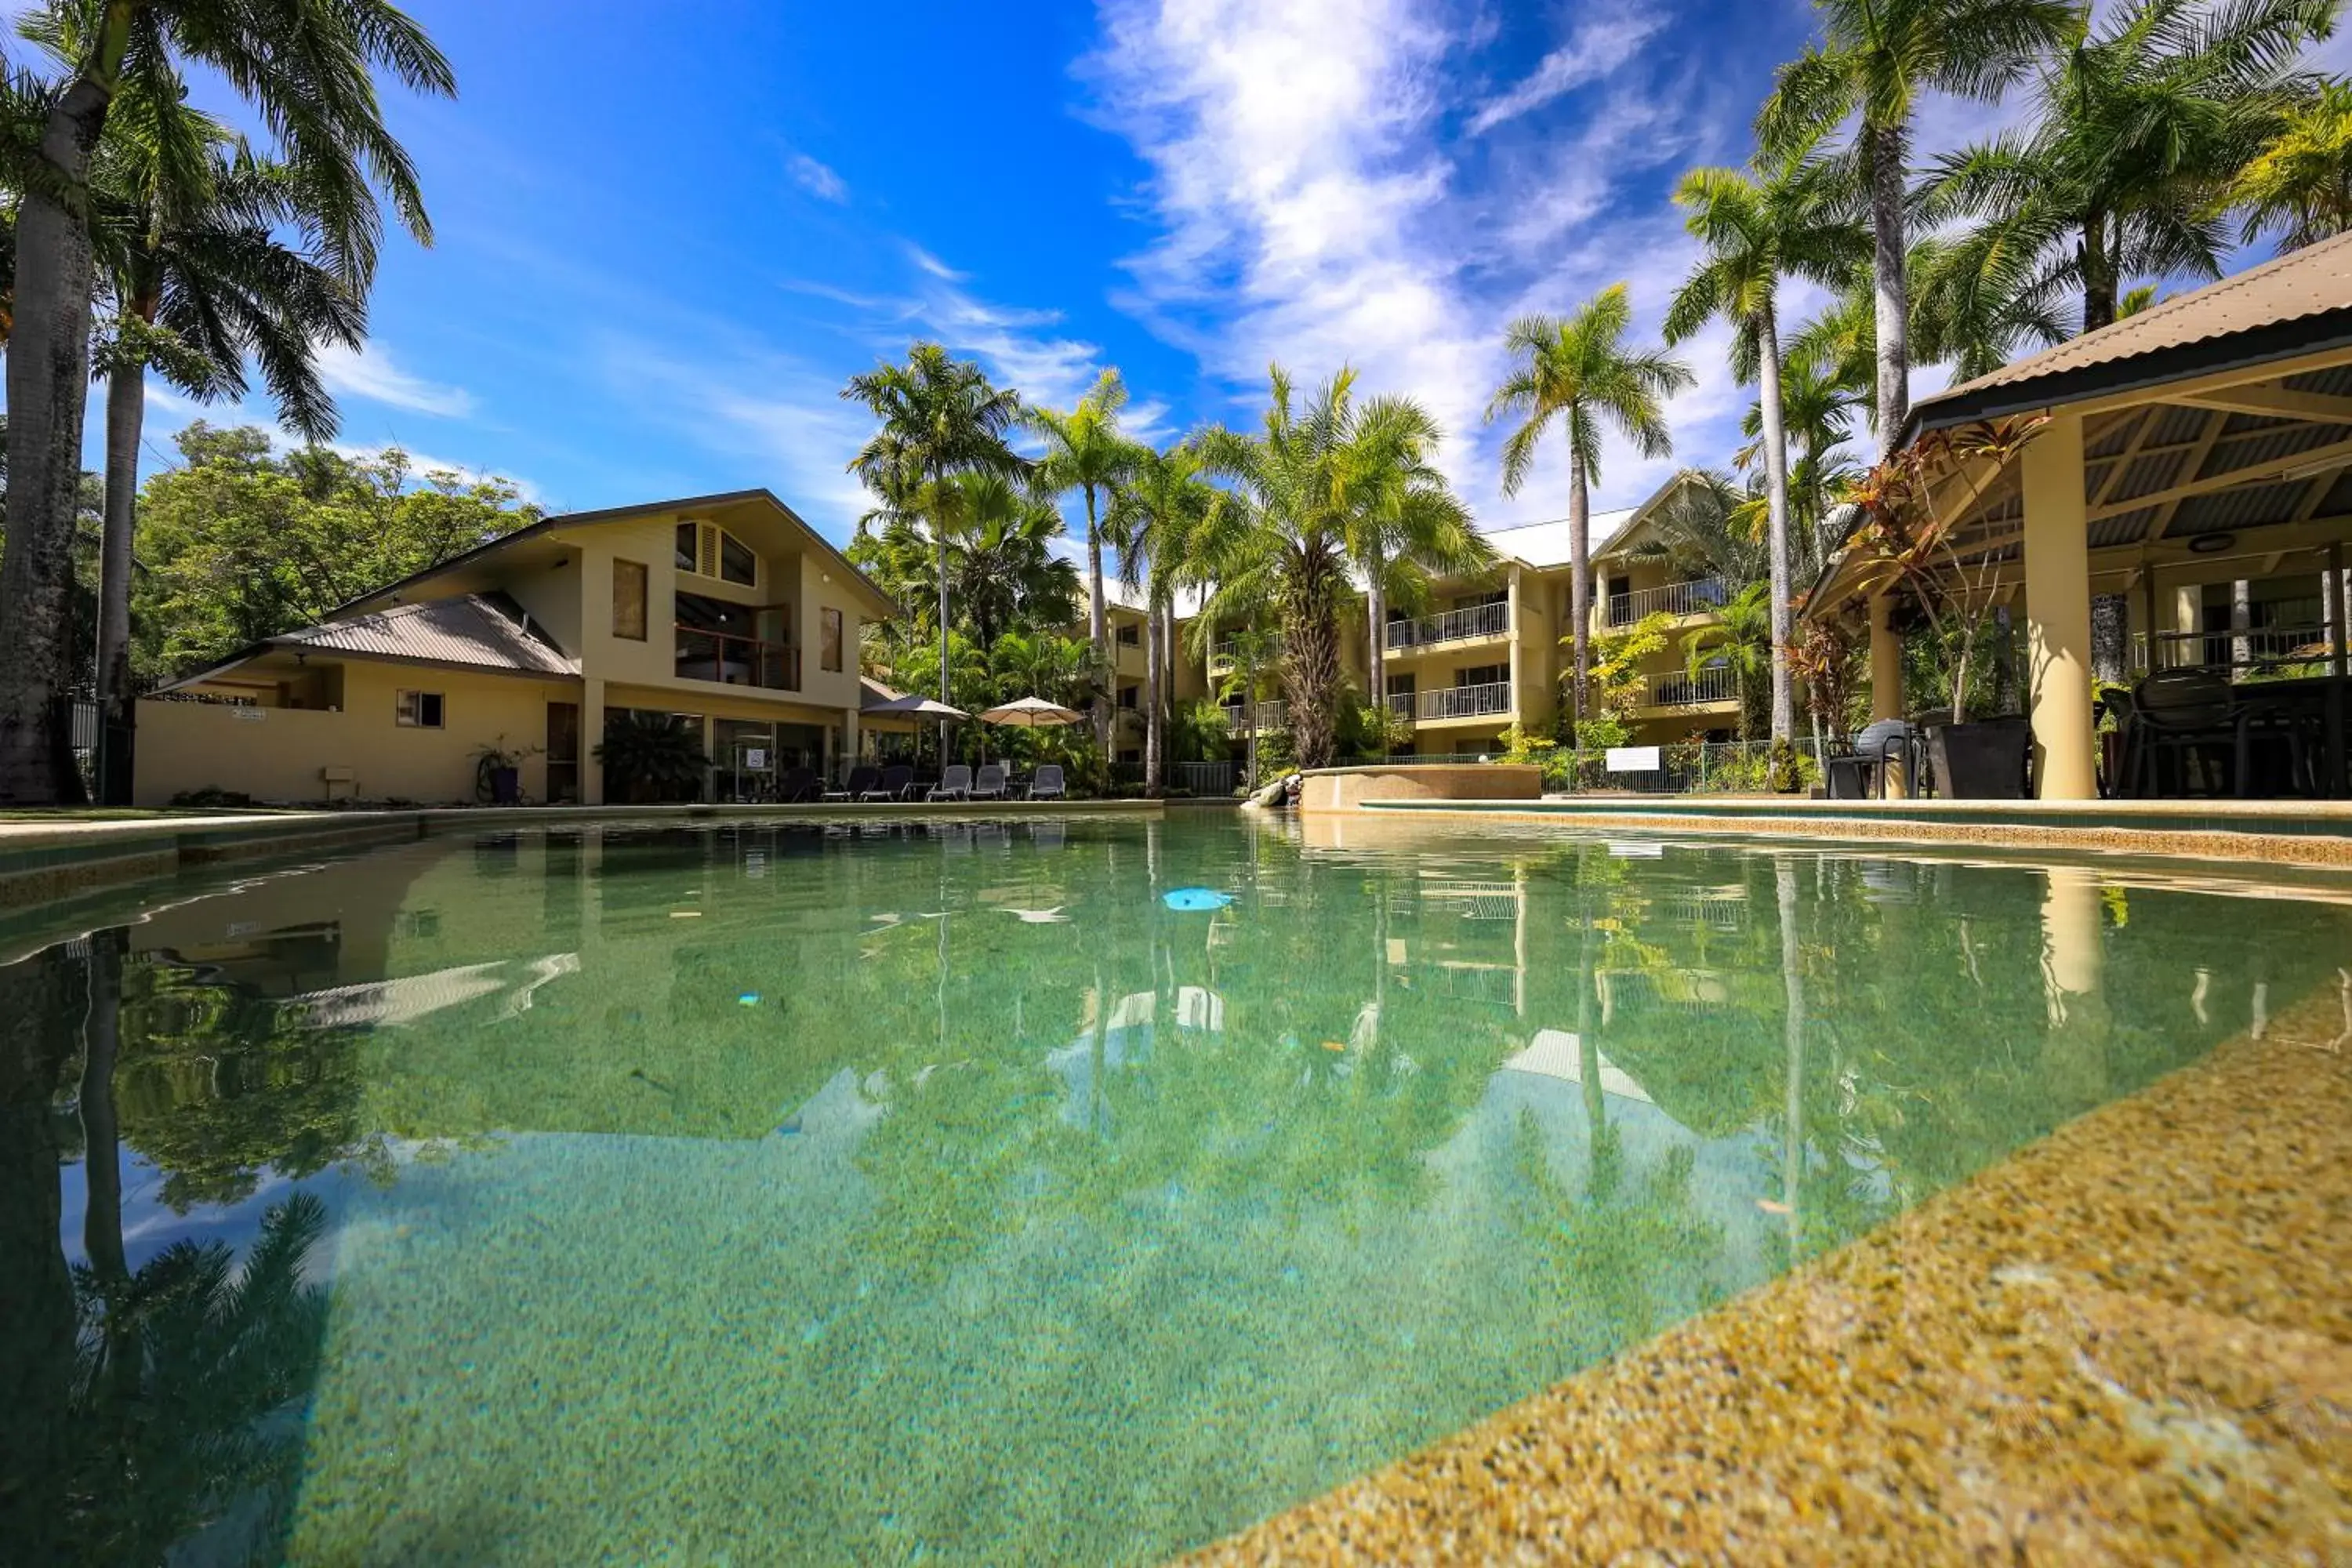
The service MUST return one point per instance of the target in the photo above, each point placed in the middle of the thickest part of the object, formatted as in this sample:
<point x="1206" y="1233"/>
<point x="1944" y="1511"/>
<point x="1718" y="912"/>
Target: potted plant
<point x="497" y="773"/>
<point x="1947" y="586"/>
<point x="650" y="758"/>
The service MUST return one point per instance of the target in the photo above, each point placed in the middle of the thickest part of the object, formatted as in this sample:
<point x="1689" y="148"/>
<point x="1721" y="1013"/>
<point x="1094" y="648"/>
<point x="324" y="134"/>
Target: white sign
<point x="1633" y="760"/>
<point x="754" y="759"/>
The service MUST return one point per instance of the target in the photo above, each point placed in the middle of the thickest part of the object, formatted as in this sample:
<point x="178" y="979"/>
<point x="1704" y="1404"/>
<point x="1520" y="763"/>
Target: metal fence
<point x="1205" y="778"/>
<point x="1691" y="598"/>
<point x="1453" y="626"/>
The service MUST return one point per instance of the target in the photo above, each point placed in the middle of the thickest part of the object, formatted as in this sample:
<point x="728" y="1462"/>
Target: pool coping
<point x="2302" y="832"/>
<point x="44" y="861"/>
<point x="2128" y="1341"/>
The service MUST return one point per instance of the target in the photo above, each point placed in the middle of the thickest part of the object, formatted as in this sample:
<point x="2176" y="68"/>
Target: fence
<point x="1678" y="689"/>
<point x="1686" y="767"/>
<point x="1691" y="598"/>
<point x="1455" y="625"/>
<point x="1205" y="778"/>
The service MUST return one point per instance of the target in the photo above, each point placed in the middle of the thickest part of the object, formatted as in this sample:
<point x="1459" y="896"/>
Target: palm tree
<point x="1739" y="638"/>
<point x="307" y="73"/>
<point x="940" y="416"/>
<point x="1388" y="493"/>
<point x="1877" y="58"/>
<point x="1283" y="541"/>
<point x="1757" y="229"/>
<point x="1002" y="569"/>
<point x="2141" y="126"/>
<point x="2301" y="184"/>
<point x="1154" y="521"/>
<point x="1085" y="452"/>
<point x="1578" y="369"/>
<point x="200" y="280"/>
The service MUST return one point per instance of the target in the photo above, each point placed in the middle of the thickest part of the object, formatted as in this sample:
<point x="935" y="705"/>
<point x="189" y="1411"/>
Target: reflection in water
<point x="868" y="1196"/>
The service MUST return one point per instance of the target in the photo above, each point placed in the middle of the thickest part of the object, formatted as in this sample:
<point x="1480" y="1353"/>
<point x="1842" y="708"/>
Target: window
<point x="707" y="550"/>
<point x="1126" y="696"/>
<point x="735" y="561"/>
<point x="629" y="600"/>
<point x="828" y="651"/>
<point x="1129" y="635"/>
<point x="688" y="534"/>
<point x="1483" y="674"/>
<point x="418" y="711"/>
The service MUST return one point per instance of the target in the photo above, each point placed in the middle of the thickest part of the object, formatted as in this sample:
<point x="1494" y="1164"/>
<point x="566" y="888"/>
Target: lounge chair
<point x="990" y="782"/>
<point x="1047" y="784"/>
<point x="2189" y="713"/>
<point x="894" y="784"/>
<point x="954" y="785"/>
<point x="795" y="786"/>
<point x="861" y="780"/>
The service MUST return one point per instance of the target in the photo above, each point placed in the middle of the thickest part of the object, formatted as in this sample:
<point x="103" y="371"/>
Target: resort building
<point x="728" y="610"/>
<point x="2181" y="482"/>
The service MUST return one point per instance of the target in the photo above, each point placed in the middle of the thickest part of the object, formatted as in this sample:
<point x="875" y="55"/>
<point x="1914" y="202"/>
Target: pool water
<point x="758" y="1193"/>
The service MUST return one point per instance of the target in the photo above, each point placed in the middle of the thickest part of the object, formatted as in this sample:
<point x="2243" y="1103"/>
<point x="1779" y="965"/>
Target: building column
<point x="592" y="735"/>
<point x="2058" y="611"/>
<point x="849" y="743"/>
<point x="1887" y="678"/>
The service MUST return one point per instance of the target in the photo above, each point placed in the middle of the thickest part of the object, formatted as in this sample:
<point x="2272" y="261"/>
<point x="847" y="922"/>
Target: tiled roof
<point x="475" y="630"/>
<point x="2290" y="287"/>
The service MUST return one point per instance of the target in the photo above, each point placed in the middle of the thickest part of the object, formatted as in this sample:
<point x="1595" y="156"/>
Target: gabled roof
<point x="1546" y="545"/>
<point x="471" y="631"/>
<point x="2294" y="304"/>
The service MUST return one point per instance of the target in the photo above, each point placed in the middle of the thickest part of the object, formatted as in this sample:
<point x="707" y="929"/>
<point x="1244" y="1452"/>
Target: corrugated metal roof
<point x="475" y="630"/>
<point x="2289" y="288"/>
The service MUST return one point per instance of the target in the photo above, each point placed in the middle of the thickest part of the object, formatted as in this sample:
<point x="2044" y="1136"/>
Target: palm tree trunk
<point x="1579" y="573"/>
<point x="1887" y="147"/>
<point x="1375" y="621"/>
<point x="1776" y="495"/>
<point x="126" y="410"/>
<point x="1792" y="979"/>
<point x="1096" y="621"/>
<point x="1153" y="734"/>
<point x="1310" y="659"/>
<point x="940" y="540"/>
<point x="1250" y="718"/>
<point x="2098" y="274"/>
<point x="49" y="384"/>
<point x="101" y="1226"/>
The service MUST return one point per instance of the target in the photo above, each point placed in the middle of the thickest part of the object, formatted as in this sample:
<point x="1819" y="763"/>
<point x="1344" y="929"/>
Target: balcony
<point x="1679" y="689"/>
<point x="1699" y="596"/>
<point x="736" y="662"/>
<point x="1475" y="624"/>
<point x="1491" y="699"/>
<point x="1275" y="715"/>
<point x="1226" y="654"/>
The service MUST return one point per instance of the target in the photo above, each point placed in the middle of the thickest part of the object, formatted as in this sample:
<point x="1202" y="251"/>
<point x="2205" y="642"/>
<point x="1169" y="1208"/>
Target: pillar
<point x="2058" y="611"/>
<point x="1887" y="678"/>
<point x="592" y="735"/>
<point x="2188" y="615"/>
<point x="849" y="758"/>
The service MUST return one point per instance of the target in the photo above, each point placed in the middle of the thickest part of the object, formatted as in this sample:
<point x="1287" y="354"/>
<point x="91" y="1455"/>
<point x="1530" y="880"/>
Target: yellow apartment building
<point x="729" y="610"/>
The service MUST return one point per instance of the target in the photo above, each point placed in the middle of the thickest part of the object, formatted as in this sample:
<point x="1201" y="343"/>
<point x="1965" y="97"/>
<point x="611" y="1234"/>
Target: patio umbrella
<point x="924" y="708"/>
<point x="1032" y="713"/>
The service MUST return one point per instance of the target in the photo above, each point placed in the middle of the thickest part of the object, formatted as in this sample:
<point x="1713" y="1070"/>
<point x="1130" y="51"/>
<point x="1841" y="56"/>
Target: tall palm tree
<point x="1283" y="541"/>
<point x="1002" y="568"/>
<point x="1757" y="229"/>
<point x="1085" y="452"/>
<point x="1877" y="59"/>
<point x="939" y="416"/>
<point x="2141" y="123"/>
<point x="2300" y="186"/>
<point x="1389" y="493"/>
<point x="308" y="72"/>
<point x="1154" y="523"/>
<point x="1579" y="370"/>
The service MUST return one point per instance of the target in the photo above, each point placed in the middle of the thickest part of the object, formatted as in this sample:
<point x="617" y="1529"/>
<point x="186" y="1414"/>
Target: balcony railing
<point x="2256" y="648"/>
<point x="1273" y="715"/>
<point x="1696" y="597"/>
<point x="1228" y="652"/>
<point x="1455" y="625"/>
<point x="736" y="662"/>
<point x="1679" y="689"/>
<point x="1456" y="702"/>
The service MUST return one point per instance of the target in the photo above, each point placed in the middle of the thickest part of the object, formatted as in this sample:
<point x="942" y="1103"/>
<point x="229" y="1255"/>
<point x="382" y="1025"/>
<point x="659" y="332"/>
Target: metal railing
<point x="2256" y="647"/>
<point x="1275" y="715"/>
<point x="1493" y="697"/>
<point x="1455" y="625"/>
<point x="1205" y="778"/>
<point x="1227" y="652"/>
<point x="736" y="662"/>
<point x="1680" y="689"/>
<point x="1698" y="596"/>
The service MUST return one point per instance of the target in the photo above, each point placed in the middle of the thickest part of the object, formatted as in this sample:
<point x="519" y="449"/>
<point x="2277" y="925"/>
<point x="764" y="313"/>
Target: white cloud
<point x="816" y="179"/>
<point x="933" y="265"/>
<point x="1602" y="43"/>
<point x="372" y="373"/>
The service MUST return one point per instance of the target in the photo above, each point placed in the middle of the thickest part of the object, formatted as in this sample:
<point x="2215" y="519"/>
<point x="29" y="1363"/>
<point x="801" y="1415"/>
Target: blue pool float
<point x="1191" y="898"/>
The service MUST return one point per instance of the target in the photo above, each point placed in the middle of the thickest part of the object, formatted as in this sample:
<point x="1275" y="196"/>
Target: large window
<point x="629" y="600"/>
<point x="418" y="711"/>
<point x="707" y="550"/>
<point x="828" y="631"/>
<point x="1130" y="635"/>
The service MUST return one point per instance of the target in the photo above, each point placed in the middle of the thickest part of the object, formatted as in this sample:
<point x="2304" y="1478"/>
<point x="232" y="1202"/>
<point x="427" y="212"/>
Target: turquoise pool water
<point x="755" y="1194"/>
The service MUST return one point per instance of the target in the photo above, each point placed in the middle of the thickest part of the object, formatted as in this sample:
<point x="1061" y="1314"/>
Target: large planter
<point x="1984" y="759"/>
<point x="506" y="787"/>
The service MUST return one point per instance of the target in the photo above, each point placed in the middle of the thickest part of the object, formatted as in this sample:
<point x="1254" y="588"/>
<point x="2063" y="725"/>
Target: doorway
<point x="564" y="753"/>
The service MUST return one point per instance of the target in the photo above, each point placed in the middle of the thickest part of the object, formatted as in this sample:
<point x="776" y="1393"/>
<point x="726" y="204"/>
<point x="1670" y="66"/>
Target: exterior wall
<point x="276" y="754"/>
<point x="1340" y="789"/>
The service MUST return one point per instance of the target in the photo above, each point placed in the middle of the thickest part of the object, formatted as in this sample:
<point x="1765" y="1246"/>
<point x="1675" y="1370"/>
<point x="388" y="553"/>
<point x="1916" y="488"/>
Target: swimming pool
<point x="949" y="1192"/>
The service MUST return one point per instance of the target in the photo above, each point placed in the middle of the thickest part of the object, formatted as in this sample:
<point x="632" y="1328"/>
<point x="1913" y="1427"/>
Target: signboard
<point x="755" y="758"/>
<point x="1633" y="760"/>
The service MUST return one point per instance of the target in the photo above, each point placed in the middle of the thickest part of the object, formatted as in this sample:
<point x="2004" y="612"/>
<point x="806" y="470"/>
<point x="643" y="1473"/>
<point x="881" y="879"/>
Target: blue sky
<point x="667" y="233"/>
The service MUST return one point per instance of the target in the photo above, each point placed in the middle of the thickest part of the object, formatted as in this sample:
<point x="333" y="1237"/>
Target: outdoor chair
<point x="1863" y="771"/>
<point x="1047" y="784"/>
<point x="2269" y="718"/>
<point x="954" y="785"/>
<point x="795" y="786"/>
<point x="991" y="783"/>
<point x="861" y="780"/>
<point x="2188" y="713"/>
<point x="895" y="781"/>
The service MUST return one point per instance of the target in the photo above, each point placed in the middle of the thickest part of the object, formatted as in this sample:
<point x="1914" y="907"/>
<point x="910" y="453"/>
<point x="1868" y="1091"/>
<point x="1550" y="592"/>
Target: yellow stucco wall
<point x="276" y="754"/>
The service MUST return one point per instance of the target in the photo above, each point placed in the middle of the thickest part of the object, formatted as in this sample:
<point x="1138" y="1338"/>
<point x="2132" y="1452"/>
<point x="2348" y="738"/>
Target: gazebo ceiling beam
<point x="2277" y="403"/>
<point x="2189" y="388"/>
<point x="2319" y="459"/>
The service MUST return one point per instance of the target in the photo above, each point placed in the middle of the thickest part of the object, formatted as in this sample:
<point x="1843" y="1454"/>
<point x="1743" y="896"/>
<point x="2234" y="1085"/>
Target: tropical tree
<point x="1155" y="521"/>
<point x="939" y="416"/>
<point x="1579" y="370"/>
<point x="1085" y="452"/>
<point x="1002" y="572"/>
<point x="307" y="73"/>
<point x="1757" y="229"/>
<point x="2300" y="186"/>
<point x="1283" y="541"/>
<point x="1875" y="61"/>
<point x="1739" y="638"/>
<point x="1389" y="493"/>
<point x="2141" y="125"/>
